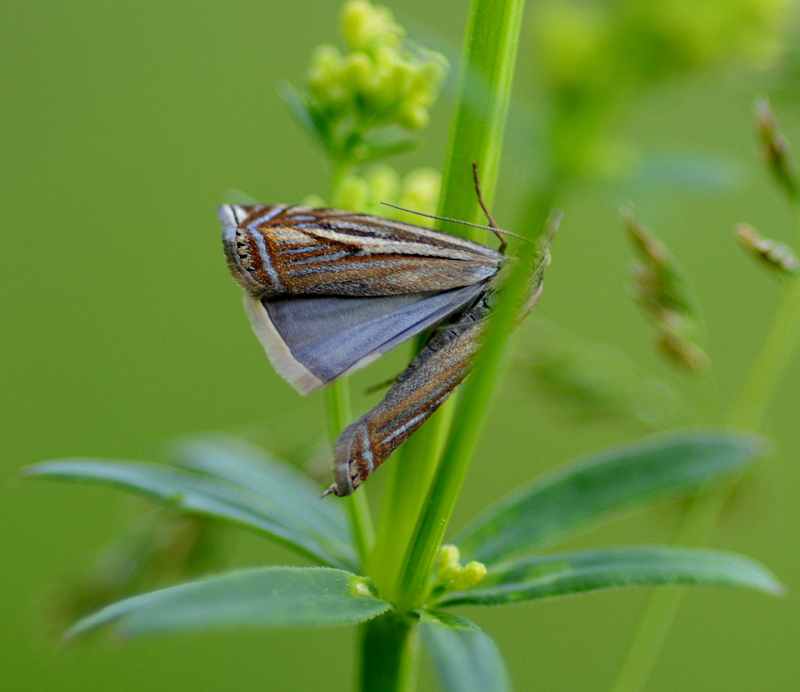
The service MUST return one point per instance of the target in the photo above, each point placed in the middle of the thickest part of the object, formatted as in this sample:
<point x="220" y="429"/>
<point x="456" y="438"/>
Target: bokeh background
<point x="122" y="126"/>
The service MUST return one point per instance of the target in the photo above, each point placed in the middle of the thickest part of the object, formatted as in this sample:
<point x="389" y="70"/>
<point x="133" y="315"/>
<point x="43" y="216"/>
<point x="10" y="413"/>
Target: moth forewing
<point x="278" y="250"/>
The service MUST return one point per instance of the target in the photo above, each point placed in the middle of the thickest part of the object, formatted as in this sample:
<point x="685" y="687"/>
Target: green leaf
<point x="466" y="659"/>
<point x="572" y="573"/>
<point x="264" y="597"/>
<point x="252" y="469"/>
<point x="622" y="478"/>
<point x="305" y="116"/>
<point x="197" y="493"/>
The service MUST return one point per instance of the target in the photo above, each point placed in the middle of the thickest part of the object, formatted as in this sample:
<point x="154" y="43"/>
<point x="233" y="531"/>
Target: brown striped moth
<point x="328" y="291"/>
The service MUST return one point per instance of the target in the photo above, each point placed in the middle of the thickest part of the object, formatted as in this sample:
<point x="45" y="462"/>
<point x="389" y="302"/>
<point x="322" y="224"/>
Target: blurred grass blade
<point x="466" y="659"/>
<point x="573" y="573"/>
<point x="255" y="470"/>
<point x="264" y="597"/>
<point x="196" y="493"/>
<point x="624" y="477"/>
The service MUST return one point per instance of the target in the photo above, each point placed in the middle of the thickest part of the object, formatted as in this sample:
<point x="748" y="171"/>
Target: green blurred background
<point x="123" y="125"/>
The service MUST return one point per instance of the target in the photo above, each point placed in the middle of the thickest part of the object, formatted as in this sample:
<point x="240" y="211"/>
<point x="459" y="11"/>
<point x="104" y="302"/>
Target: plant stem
<point x="465" y="432"/>
<point x="476" y="135"/>
<point x="704" y="511"/>
<point x="388" y="653"/>
<point x="775" y="356"/>
<point x="337" y="399"/>
<point x="407" y="483"/>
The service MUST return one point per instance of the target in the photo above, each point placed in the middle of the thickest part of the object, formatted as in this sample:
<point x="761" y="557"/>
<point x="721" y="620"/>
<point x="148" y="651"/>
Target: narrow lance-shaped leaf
<point x="573" y="573"/>
<point x="624" y="477"/>
<point x="265" y="597"/>
<point x="466" y="659"/>
<point x="279" y="483"/>
<point x="197" y="493"/>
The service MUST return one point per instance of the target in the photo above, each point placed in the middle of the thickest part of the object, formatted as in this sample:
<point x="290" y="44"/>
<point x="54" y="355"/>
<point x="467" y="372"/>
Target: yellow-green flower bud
<point x="420" y="192"/>
<point x="384" y="20"/>
<point x="365" y="25"/>
<point x="413" y="117"/>
<point x="448" y="554"/>
<point x="313" y="201"/>
<point x="357" y="22"/>
<point x="357" y="70"/>
<point x="427" y="81"/>
<point x="384" y="184"/>
<point x="386" y="57"/>
<point x="353" y="194"/>
<point x="328" y="59"/>
<point x="399" y="78"/>
<point x="450" y="573"/>
<point x="470" y="575"/>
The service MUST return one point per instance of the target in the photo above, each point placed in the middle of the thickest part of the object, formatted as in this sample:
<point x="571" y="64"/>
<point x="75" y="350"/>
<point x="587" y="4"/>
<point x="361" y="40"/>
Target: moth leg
<point x="381" y="385"/>
<point x="492" y="222"/>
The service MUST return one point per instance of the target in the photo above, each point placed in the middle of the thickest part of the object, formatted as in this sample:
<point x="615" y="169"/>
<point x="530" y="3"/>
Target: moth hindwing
<point x="328" y="291"/>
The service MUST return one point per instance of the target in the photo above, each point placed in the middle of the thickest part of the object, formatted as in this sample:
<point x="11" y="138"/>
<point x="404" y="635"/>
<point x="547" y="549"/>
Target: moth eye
<point x="243" y="251"/>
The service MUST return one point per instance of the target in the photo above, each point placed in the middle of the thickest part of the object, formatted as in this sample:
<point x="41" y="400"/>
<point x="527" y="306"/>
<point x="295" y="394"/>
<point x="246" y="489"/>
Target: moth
<point x="328" y="291"/>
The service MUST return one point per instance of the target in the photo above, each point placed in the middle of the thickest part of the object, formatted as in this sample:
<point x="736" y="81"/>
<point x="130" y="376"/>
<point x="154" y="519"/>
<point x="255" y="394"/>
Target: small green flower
<point x="451" y="574"/>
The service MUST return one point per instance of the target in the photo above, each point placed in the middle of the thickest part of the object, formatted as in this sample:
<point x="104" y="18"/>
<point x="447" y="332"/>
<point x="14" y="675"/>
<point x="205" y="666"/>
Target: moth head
<point x="238" y="243"/>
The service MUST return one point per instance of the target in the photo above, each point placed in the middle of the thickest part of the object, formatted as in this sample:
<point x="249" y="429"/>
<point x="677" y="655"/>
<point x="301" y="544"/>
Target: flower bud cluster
<point x="418" y="190"/>
<point x="663" y="294"/>
<point x="354" y="99"/>
<point x="593" y="57"/>
<point x="579" y="40"/>
<point x="452" y="574"/>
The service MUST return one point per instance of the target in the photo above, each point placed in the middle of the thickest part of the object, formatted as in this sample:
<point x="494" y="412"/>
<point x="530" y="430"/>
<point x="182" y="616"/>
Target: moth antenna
<point x="463" y="223"/>
<point x="492" y="222"/>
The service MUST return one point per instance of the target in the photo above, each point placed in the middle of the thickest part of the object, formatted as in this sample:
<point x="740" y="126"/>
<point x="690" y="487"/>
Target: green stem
<point x="389" y="653"/>
<point x="407" y="483"/>
<point x="703" y="513"/>
<point x="465" y="432"/>
<point x="476" y="135"/>
<point x="775" y="356"/>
